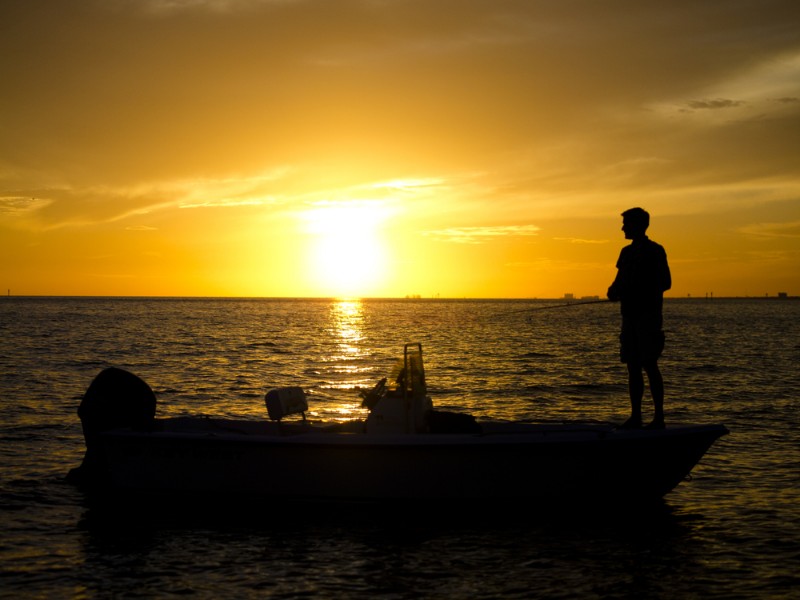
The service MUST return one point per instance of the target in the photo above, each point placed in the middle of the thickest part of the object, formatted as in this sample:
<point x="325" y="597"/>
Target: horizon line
<point x="410" y="298"/>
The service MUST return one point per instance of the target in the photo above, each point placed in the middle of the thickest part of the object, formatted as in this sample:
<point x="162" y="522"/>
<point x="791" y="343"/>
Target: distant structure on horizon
<point x="571" y="297"/>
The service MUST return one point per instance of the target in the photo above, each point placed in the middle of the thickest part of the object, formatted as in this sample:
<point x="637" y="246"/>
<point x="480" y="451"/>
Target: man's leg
<point x="636" y="391"/>
<point x="657" y="391"/>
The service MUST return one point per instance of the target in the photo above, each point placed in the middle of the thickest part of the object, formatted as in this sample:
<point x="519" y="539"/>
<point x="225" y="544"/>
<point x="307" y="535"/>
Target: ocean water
<point x="732" y="531"/>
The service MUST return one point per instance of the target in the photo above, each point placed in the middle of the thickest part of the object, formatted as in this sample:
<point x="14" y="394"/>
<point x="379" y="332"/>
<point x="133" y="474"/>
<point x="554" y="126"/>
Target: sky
<point x="385" y="148"/>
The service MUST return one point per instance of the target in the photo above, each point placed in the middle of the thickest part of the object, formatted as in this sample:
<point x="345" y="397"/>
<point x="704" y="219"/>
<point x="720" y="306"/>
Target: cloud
<point x="224" y="203"/>
<point x="772" y="230"/>
<point x="713" y="104"/>
<point x="219" y="7"/>
<point x="480" y="235"/>
<point x="16" y="206"/>
<point x="753" y="88"/>
<point x="411" y="185"/>
<point x="81" y="206"/>
<point x="580" y="240"/>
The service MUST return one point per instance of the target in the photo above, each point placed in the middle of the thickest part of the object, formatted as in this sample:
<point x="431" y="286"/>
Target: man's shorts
<point x="639" y="344"/>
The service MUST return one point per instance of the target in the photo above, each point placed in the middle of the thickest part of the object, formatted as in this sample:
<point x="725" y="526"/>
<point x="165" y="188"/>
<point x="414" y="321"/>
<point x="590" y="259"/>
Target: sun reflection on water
<point x="347" y="367"/>
<point x="348" y="324"/>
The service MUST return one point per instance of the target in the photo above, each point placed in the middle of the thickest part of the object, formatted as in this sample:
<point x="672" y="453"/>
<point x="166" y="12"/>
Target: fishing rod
<point x="563" y="305"/>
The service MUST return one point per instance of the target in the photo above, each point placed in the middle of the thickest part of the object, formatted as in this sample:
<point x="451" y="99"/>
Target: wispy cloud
<point x="713" y="104"/>
<point x="755" y="89"/>
<point x="480" y="235"/>
<point x="67" y="206"/>
<point x="410" y="186"/>
<point x="224" y="203"/>
<point x="168" y="7"/>
<point x="772" y="230"/>
<point x="580" y="240"/>
<point x="15" y="206"/>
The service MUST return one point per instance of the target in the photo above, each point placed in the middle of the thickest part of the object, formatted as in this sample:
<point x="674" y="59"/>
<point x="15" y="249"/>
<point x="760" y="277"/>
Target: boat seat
<point x="286" y="401"/>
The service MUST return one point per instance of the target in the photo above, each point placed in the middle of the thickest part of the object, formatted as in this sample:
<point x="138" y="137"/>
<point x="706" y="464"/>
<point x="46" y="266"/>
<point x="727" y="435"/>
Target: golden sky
<point x="460" y="148"/>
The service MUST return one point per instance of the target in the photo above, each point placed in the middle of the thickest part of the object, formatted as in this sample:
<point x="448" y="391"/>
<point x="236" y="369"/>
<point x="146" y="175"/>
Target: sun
<point x="348" y="254"/>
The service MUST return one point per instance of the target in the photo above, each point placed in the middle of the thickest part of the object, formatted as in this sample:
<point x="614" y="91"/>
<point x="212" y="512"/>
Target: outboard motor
<point x="115" y="399"/>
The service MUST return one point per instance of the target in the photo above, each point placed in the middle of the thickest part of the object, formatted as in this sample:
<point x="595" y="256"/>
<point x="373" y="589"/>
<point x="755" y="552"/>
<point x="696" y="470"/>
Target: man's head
<point x="635" y="222"/>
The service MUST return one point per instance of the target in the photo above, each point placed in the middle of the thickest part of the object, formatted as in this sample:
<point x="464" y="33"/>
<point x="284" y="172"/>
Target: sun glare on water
<point x="348" y="255"/>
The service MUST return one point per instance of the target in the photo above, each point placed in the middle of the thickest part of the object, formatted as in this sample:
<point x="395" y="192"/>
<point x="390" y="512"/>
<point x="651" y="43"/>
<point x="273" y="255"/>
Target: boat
<point x="405" y="449"/>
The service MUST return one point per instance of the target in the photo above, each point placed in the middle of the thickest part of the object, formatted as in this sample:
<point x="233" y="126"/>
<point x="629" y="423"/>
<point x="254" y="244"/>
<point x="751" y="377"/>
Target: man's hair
<point x="637" y="216"/>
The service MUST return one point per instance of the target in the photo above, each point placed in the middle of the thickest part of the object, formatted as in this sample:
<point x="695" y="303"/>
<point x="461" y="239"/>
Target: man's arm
<point x="615" y="289"/>
<point x="666" y="277"/>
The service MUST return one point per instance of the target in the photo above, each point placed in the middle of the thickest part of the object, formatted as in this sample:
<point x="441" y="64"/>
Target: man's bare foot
<point x="632" y="423"/>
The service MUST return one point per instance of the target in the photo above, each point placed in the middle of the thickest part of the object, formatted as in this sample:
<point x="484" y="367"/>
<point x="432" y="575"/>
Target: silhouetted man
<point x="642" y="278"/>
